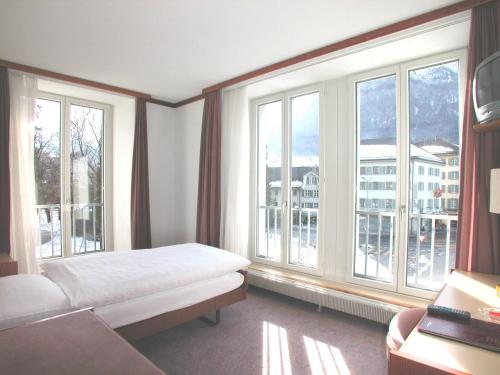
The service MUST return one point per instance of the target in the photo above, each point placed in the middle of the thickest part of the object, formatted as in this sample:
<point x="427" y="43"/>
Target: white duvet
<point x="105" y="278"/>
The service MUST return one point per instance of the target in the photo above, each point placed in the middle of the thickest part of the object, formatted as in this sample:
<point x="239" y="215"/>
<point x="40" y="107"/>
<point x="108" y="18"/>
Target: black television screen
<point x="488" y="83"/>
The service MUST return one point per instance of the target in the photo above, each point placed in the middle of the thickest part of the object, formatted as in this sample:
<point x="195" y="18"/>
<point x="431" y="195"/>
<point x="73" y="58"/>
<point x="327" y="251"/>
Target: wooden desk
<point x="75" y="343"/>
<point x="466" y="291"/>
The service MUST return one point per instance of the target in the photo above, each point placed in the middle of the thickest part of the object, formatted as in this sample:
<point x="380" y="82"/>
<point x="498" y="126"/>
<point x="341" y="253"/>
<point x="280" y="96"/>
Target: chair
<point x="401" y="325"/>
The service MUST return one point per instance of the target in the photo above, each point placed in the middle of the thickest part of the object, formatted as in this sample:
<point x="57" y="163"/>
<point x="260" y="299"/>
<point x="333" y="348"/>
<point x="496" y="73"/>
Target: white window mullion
<point x="285" y="178"/>
<point x="403" y="179"/>
<point x="66" y="180"/>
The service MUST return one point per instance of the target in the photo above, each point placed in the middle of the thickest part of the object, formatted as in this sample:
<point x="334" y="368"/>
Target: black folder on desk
<point x="485" y="335"/>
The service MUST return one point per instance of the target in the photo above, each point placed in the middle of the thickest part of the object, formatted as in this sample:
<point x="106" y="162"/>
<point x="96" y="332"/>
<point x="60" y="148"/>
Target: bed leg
<point x="210" y="322"/>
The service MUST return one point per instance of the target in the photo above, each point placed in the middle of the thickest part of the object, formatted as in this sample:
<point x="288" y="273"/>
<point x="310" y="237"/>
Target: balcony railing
<point x="377" y="259"/>
<point x="304" y="237"/>
<point x="49" y="223"/>
<point x="304" y="249"/>
<point x="85" y="226"/>
<point x="269" y="245"/>
<point x="431" y="247"/>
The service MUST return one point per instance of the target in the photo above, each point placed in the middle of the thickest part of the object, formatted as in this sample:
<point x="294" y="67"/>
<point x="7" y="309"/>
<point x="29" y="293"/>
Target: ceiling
<point x="173" y="49"/>
<point x="433" y="39"/>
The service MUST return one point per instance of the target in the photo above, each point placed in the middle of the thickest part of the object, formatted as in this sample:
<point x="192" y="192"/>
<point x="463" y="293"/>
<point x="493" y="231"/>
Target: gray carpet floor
<point x="271" y="334"/>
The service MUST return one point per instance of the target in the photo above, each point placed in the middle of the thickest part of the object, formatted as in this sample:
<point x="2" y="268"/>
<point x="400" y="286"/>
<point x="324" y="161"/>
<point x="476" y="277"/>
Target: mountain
<point x="433" y="105"/>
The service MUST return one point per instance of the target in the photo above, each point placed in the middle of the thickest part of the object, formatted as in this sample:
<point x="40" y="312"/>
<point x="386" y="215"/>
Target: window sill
<point x="371" y="293"/>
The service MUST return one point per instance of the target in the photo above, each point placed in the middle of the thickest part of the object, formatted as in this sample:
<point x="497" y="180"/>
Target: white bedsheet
<point x="141" y="308"/>
<point x="26" y="298"/>
<point x="102" y="279"/>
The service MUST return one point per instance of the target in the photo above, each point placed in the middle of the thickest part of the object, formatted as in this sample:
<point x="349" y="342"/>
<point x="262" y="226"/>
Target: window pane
<point x="47" y="158"/>
<point x="435" y="145"/>
<point x="86" y="156"/>
<point x="376" y="165"/>
<point x="305" y="188"/>
<point x="269" y="180"/>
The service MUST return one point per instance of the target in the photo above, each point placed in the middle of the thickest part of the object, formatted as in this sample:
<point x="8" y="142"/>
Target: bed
<point x="136" y="292"/>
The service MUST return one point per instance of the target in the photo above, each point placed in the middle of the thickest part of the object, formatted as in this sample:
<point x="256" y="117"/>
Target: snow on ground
<point x="51" y="247"/>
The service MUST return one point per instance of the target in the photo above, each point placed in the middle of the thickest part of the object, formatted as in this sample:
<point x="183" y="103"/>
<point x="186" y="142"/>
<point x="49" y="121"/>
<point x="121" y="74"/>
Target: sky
<point x="305" y="130"/>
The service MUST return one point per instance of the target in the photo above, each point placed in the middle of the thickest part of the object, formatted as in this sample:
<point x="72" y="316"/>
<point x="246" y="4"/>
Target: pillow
<point x="25" y="298"/>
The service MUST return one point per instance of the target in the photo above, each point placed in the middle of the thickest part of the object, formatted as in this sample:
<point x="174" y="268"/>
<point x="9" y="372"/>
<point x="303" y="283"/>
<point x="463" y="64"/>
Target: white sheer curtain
<point x="235" y="171"/>
<point x="25" y="235"/>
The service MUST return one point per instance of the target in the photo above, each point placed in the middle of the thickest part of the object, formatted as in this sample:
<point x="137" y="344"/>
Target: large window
<point x="409" y="119"/>
<point x="69" y="173"/>
<point x="288" y="179"/>
<point x="356" y="179"/>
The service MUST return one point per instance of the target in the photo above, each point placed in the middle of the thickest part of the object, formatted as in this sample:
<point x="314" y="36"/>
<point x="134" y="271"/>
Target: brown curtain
<point x="208" y="219"/>
<point x="4" y="162"/>
<point x="478" y="243"/>
<point x="140" y="217"/>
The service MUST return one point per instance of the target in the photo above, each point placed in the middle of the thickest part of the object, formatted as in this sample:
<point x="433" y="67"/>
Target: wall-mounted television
<point x="486" y="89"/>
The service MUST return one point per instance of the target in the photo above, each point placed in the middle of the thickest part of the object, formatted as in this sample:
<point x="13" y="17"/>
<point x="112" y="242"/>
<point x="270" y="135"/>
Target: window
<point x="69" y="172"/>
<point x="375" y="100"/>
<point x="431" y="247"/>
<point x="269" y="116"/>
<point x="453" y="189"/>
<point x="453" y="162"/>
<point x="430" y="203"/>
<point x="389" y="203"/>
<point x="288" y="233"/>
<point x="424" y="231"/>
<point x="453" y="204"/>
<point x="420" y="204"/>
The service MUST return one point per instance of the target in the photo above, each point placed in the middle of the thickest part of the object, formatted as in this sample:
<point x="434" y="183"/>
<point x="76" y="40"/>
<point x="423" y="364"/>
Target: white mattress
<point x="107" y="278"/>
<point x="145" y="307"/>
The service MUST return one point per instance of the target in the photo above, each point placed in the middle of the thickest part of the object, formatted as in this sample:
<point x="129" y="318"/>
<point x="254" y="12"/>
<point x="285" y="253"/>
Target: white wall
<point x="187" y="155"/>
<point x="162" y="173"/>
<point x="174" y="148"/>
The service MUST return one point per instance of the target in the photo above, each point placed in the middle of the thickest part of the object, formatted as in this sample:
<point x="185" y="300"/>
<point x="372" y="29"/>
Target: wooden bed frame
<point x="170" y="319"/>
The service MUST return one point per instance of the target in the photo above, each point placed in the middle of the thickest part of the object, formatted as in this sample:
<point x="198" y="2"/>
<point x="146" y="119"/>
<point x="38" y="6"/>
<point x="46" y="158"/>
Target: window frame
<point x="354" y="134"/>
<point x="286" y="97"/>
<point x="65" y="184"/>
<point x="401" y="71"/>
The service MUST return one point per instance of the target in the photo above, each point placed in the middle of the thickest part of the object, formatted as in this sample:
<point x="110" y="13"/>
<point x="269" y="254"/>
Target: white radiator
<point x="324" y="297"/>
